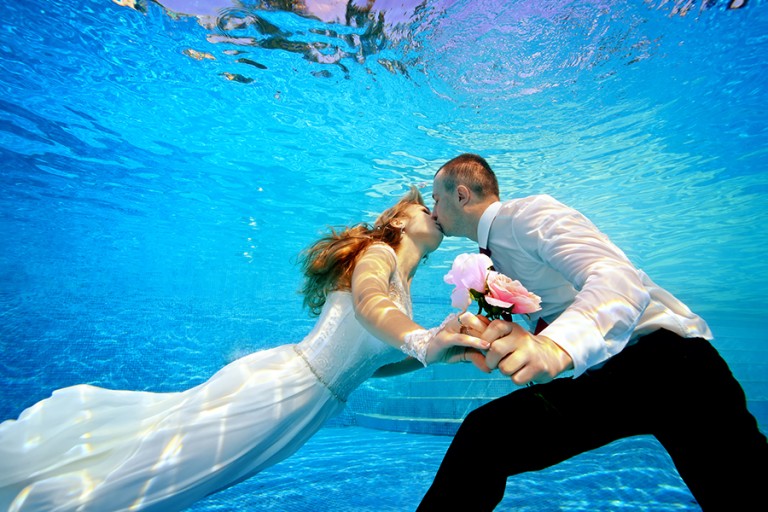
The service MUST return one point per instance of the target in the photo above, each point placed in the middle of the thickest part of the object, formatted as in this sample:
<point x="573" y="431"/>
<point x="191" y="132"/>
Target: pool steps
<point x="435" y="400"/>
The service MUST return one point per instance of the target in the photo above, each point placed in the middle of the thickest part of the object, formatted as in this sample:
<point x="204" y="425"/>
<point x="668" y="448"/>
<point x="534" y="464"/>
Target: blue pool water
<point x="163" y="164"/>
<point x="354" y="469"/>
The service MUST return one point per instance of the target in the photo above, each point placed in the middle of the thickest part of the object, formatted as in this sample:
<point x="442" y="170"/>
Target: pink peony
<point x="505" y="293"/>
<point x="469" y="272"/>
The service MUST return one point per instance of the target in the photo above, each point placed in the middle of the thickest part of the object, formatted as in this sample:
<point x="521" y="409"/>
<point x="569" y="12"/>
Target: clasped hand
<point x="514" y="351"/>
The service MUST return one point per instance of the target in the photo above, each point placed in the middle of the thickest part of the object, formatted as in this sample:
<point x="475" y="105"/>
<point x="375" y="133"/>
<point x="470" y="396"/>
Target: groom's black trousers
<point x="679" y="390"/>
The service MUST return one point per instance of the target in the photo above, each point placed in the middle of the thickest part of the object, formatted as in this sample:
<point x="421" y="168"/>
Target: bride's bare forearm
<point x="399" y="368"/>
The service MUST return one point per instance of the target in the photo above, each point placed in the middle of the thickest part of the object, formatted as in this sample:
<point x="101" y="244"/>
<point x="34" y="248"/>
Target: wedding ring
<point x="462" y="328"/>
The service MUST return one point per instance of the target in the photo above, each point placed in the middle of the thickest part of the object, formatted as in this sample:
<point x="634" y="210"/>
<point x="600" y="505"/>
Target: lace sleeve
<point x="416" y="343"/>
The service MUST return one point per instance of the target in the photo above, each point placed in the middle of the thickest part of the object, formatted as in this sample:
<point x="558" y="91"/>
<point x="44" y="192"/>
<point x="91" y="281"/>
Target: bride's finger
<point x="456" y="355"/>
<point x="470" y="324"/>
<point x="467" y="355"/>
<point x="477" y="359"/>
<point x="467" y="340"/>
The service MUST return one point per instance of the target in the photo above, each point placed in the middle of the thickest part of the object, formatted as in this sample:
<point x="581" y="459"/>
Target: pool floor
<point x="360" y="469"/>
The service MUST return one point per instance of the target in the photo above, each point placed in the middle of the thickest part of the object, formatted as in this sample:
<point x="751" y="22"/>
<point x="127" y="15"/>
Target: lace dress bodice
<point x="340" y="352"/>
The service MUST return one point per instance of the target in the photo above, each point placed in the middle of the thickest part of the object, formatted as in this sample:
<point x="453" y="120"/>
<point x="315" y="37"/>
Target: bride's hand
<point x="467" y="355"/>
<point x="458" y="341"/>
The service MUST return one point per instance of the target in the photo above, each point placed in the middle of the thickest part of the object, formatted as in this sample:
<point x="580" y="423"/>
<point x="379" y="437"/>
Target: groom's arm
<point x="611" y="296"/>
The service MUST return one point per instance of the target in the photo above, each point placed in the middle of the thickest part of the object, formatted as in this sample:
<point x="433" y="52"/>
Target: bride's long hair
<point x="328" y="263"/>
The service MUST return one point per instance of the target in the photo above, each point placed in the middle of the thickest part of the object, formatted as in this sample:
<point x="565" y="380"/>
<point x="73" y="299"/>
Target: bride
<point x="92" y="449"/>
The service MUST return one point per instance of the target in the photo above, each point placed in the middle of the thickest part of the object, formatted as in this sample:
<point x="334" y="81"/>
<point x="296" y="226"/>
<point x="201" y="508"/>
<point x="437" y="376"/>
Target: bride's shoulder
<point x="378" y="256"/>
<point x="381" y="248"/>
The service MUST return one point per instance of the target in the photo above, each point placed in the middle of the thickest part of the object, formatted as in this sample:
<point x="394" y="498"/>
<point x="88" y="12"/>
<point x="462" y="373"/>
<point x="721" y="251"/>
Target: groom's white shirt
<point x="594" y="299"/>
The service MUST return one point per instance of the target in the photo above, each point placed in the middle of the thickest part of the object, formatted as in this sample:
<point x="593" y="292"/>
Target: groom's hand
<point x="523" y="356"/>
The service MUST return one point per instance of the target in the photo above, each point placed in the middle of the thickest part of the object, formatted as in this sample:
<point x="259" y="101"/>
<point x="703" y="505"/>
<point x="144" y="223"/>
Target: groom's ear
<point x="463" y="194"/>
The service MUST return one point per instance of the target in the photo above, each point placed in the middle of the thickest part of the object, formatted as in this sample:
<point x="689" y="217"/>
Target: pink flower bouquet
<point x="496" y="294"/>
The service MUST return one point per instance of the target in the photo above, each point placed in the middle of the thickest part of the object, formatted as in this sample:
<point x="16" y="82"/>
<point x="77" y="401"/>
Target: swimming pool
<point x="161" y="169"/>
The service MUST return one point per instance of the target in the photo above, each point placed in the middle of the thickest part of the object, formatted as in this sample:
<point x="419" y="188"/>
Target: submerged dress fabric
<point x="92" y="449"/>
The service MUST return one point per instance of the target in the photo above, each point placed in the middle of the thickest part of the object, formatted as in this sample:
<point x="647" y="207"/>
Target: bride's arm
<point x="381" y="317"/>
<point x="407" y="365"/>
<point x="370" y="295"/>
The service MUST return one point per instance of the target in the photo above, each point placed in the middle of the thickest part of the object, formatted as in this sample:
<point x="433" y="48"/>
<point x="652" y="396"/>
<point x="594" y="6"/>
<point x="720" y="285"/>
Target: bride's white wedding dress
<point x="92" y="449"/>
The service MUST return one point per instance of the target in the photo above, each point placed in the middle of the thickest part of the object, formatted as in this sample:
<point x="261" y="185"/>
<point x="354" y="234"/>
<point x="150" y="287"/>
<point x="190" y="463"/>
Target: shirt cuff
<point x="579" y="337"/>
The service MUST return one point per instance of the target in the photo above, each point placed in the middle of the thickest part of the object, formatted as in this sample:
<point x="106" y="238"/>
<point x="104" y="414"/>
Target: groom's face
<point x="446" y="211"/>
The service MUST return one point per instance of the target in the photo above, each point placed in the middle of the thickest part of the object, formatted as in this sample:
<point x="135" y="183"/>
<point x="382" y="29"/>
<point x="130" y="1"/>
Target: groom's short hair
<point x="472" y="171"/>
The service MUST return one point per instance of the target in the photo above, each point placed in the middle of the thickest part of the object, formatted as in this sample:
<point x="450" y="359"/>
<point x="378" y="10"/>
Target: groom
<point x="639" y="360"/>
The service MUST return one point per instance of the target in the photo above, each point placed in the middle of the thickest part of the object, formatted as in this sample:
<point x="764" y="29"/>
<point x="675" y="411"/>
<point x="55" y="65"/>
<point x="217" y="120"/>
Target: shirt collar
<point x="484" y="226"/>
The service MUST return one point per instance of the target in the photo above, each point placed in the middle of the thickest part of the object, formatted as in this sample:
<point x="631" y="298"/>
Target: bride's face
<point x="421" y="227"/>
